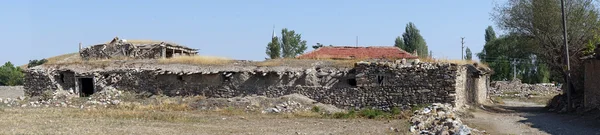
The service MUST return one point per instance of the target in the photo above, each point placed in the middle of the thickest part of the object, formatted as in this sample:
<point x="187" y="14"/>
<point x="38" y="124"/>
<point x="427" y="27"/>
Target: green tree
<point x="292" y="43"/>
<point x="540" y="21"/>
<point x="414" y="41"/>
<point x="10" y="75"/>
<point x="468" y="54"/>
<point x="273" y="48"/>
<point x="33" y="63"/>
<point x="591" y="45"/>
<point x="511" y="49"/>
<point x="319" y="45"/>
<point x="490" y="35"/>
<point x="399" y="43"/>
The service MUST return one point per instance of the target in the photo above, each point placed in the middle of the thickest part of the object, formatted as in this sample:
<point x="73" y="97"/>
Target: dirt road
<point x="524" y="118"/>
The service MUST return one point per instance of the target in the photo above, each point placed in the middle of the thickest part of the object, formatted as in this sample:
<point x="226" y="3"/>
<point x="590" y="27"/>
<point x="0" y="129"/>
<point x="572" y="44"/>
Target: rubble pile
<point x="285" y="104"/>
<point x="438" y="119"/>
<point x="66" y="98"/>
<point x="108" y="96"/>
<point x="517" y="89"/>
<point x="286" y="107"/>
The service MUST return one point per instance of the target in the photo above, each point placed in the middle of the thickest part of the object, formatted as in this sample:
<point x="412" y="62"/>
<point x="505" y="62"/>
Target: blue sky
<point x="238" y="29"/>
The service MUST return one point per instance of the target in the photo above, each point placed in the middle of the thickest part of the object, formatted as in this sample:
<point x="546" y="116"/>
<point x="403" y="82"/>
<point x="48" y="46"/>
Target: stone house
<point x="137" y="49"/>
<point x="349" y="52"/>
<point x="380" y="85"/>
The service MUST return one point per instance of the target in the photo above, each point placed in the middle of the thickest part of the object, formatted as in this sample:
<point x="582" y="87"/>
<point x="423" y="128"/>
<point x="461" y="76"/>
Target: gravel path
<point x="11" y="91"/>
<point x="523" y="118"/>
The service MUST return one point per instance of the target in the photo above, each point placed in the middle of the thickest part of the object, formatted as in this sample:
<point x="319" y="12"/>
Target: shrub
<point x="316" y="109"/>
<point x="372" y="113"/>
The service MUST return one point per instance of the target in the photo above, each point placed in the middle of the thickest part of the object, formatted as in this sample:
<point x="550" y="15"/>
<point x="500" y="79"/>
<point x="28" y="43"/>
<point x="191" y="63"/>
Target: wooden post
<point x="79" y="46"/>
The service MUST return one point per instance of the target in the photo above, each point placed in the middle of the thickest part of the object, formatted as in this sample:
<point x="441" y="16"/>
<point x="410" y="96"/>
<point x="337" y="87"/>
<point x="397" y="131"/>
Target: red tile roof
<point x="349" y="52"/>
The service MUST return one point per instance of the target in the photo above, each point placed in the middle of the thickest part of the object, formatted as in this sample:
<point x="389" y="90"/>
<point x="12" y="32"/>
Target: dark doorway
<point x="87" y="86"/>
<point x="352" y="82"/>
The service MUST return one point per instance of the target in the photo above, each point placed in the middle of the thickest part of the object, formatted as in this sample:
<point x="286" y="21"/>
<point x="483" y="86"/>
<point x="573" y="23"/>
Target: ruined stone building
<point x="592" y="80"/>
<point x="137" y="49"/>
<point x="368" y="84"/>
<point x="349" y="52"/>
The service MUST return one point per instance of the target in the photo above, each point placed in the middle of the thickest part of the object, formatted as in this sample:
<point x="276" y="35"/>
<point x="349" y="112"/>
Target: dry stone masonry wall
<point x="374" y="85"/>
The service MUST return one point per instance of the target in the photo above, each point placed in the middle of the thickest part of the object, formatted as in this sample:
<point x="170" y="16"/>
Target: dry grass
<point x="117" y="121"/>
<point x="196" y="60"/>
<point x="65" y="58"/>
<point x="306" y="62"/>
<point x="459" y="62"/>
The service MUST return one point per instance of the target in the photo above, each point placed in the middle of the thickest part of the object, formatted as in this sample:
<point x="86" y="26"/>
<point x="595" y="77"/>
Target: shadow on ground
<point x="538" y="117"/>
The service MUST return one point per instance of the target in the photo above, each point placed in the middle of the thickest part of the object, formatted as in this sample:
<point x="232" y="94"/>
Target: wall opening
<point x="86" y="86"/>
<point x="180" y="78"/>
<point x="380" y="80"/>
<point x="169" y="53"/>
<point x="62" y="78"/>
<point x="352" y="82"/>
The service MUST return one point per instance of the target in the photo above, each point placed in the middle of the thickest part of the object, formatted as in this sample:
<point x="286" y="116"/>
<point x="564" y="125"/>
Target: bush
<point x="33" y="63"/>
<point x="343" y="115"/>
<point x="372" y="113"/>
<point x="316" y="109"/>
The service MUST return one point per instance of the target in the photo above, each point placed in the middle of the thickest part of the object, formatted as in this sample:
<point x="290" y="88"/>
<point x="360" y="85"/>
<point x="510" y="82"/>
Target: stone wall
<point x="592" y="84"/>
<point x="379" y="85"/>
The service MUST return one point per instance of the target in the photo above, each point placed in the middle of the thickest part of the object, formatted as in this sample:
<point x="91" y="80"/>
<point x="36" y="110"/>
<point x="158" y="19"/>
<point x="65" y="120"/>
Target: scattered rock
<point x="438" y="119"/>
<point x="517" y="89"/>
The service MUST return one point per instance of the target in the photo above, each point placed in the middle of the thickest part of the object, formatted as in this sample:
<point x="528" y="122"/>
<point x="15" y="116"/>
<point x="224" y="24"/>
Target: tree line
<point x="290" y="44"/>
<point x="534" y="40"/>
<point x="11" y="75"/>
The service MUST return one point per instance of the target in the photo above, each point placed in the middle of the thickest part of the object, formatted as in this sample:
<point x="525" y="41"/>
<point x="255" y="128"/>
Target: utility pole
<point x="568" y="73"/>
<point x="356" y="41"/>
<point x="462" y="50"/>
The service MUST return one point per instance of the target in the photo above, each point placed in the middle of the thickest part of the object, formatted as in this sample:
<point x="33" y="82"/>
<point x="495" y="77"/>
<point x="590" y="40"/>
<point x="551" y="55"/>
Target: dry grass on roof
<point x="135" y="41"/>
<point x="307" y="62"/>
<point x="197" y="60"/>
<point x="459" y="62"/>
<point x="65" y="58"/>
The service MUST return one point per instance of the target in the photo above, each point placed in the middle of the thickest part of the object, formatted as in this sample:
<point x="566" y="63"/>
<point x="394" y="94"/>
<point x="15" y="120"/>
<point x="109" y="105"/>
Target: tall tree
<point x="292" y="43"/>
<point x="540" y="21"/>
<point x="399" y="43"/>
<point x="490" y="34"/>
<point x="414" y="41"/>
<point x="468" y="54"/>
<point x="273" y="48"/>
